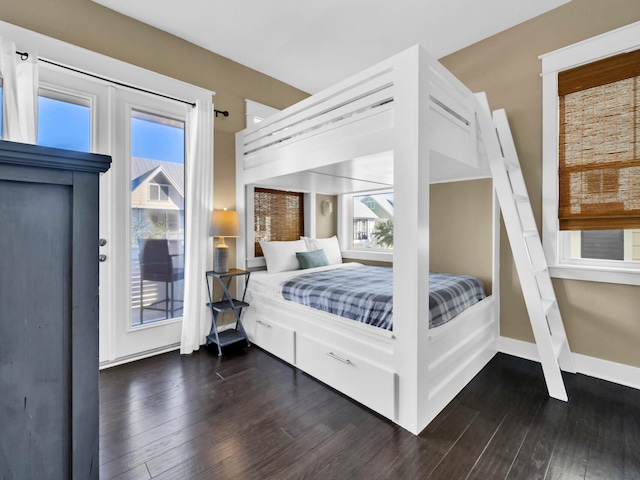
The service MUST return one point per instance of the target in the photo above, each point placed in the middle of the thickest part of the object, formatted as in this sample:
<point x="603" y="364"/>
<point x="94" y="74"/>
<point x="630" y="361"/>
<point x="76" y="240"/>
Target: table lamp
<point x="224" y="223"/>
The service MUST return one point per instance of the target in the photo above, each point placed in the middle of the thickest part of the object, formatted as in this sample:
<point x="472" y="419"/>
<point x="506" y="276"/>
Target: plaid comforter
<point x="365" y="294"/>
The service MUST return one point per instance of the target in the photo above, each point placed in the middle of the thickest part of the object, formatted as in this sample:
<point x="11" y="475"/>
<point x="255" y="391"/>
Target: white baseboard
<point x="138" y="356"/>
<point x="591" y="366"/>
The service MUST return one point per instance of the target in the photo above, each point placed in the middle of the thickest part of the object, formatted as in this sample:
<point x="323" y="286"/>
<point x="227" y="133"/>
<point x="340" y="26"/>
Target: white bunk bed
<point x="406" y="122"/>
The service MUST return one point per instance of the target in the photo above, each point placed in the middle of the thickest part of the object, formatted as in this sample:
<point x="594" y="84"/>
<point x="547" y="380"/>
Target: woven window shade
<point x="278" y="216"/>
<point x="599" y="168"/>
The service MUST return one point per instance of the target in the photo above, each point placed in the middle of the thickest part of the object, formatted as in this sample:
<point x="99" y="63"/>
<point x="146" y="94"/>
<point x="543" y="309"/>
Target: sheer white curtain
<point x="196" y="319"/>
<point x="19" y="94"/>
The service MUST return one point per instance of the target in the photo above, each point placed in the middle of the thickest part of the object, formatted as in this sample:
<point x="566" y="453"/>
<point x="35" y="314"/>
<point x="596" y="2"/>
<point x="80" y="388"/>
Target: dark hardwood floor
<point x="249" y="416"/>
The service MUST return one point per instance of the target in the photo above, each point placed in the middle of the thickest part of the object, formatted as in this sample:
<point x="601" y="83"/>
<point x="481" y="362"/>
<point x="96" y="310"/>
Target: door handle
<point x="102" y="242"/>
<point x="102" y="258"/>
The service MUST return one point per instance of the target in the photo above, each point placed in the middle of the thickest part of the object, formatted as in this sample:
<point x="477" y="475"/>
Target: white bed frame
<point x="406" y="122"/>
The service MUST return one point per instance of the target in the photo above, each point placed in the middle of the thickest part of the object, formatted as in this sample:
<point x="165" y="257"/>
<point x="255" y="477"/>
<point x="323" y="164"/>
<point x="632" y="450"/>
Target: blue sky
<point x="67" y="125"/>
<point x="157" y="141"/>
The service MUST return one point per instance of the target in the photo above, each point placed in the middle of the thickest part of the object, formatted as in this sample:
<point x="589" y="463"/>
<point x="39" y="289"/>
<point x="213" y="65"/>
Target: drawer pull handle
<point x="263" y="323"/>
<point x="340" y="359"/>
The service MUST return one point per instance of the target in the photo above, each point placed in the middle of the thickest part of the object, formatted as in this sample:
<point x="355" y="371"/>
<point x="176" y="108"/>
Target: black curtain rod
<point x="25" y="56"/>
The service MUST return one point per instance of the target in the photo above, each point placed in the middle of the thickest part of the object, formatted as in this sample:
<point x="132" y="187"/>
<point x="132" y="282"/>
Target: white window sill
<point x="371" y="255"/>
<point x="620" y="276"/>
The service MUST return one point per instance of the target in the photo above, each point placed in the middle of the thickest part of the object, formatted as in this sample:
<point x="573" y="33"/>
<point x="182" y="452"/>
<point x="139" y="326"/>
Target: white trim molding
<point x="593" y="367"/>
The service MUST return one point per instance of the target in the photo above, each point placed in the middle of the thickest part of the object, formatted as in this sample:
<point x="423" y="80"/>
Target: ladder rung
<point x="547" y="305"/>
<point x="520" y="198"/>
<point x="539" y="269"/>
<point x="511" y="164"/>
<point x="558" y="342"/>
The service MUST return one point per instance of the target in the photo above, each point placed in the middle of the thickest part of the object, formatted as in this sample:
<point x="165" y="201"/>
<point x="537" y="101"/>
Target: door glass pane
<point x="64" y="121"/>
<point x="157" y="217"/>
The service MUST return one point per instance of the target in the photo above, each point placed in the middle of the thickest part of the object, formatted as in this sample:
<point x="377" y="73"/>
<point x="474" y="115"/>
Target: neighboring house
<point x="363" y="223"/>
<point x="157" y="199"/>
<point x="157" y="211"/>
<point x="368" y="210"/>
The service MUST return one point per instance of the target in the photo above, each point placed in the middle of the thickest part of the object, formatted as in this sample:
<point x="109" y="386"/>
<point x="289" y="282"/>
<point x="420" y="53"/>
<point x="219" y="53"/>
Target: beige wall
<point x="326" y="225"/>
<point x="602" y="320"/>
<point x="460" y="231"/>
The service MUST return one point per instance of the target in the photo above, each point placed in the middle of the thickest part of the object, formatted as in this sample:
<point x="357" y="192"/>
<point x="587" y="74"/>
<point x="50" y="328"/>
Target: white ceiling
<point x="314" y="44"/>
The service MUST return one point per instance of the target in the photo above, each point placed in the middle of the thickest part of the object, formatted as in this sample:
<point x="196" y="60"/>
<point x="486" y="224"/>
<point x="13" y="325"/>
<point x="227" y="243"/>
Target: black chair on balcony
<point x="157" y="265"/>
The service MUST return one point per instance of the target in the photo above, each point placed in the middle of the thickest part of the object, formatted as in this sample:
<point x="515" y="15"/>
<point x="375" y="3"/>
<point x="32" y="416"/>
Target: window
<point x="599" y="161"/>
<point x="372" y="216"/>
<point x="591" y="160"/>
<point x="278" y="216"/>
<point x="158" y="192"/>
<point x="64" y="121"/>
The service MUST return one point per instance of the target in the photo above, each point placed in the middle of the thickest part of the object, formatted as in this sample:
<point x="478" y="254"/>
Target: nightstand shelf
<point x="229" y="337"/>
<point x="226" y="304"/>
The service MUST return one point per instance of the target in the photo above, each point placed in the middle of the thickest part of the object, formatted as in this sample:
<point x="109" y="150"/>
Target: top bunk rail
<point x="358" y="118"/>
<point x="343" y="103"/>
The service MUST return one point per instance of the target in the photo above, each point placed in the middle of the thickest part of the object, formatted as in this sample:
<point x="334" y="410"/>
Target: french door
<point x="143" y="213"/>
<point x="142" y="201"/>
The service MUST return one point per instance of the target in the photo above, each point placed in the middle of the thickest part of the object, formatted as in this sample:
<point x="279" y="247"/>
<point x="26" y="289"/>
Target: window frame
<point x="161" y="188"/>
<point x="345" y="230"/>
<point x="556" y="244"/>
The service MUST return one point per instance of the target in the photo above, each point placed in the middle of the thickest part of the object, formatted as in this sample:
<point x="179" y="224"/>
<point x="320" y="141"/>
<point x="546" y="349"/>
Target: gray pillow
<point x="315" y="258"/>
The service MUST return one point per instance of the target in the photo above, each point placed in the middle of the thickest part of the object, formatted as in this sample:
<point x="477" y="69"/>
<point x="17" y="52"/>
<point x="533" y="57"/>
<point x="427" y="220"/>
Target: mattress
<point x="365" y="293"/>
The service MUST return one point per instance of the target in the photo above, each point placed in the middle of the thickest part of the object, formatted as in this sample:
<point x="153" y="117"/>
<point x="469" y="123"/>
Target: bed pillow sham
<point x="281" y="256"/>
<point x="330" y="246"/>
<point x="315" y="258"/>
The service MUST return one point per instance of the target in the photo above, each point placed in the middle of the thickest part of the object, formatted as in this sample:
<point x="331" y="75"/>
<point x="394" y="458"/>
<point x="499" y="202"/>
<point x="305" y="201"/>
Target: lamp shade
<point x="224" y="223"/>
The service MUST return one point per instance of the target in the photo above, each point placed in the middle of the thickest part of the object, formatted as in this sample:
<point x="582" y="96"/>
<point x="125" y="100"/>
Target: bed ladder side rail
<point x="537" y="288"/>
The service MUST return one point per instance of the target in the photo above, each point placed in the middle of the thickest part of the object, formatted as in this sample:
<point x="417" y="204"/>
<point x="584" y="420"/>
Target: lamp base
<point x="221" y="259"/>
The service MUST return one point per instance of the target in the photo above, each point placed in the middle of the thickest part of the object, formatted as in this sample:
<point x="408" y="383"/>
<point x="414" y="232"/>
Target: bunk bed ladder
<point x="531" y="264"/>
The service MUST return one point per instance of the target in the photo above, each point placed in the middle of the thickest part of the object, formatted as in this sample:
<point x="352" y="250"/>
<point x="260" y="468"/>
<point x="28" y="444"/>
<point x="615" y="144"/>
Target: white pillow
<point x="330" y="246"/>
<point x="281" y="256"/>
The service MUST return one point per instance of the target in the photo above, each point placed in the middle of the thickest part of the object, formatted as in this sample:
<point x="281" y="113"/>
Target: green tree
<point x="383" y="233"/>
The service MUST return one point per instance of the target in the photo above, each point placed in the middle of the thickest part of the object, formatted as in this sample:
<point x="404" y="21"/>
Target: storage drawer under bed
<point x="275" y="338"/>
<point x="370" y="384"/>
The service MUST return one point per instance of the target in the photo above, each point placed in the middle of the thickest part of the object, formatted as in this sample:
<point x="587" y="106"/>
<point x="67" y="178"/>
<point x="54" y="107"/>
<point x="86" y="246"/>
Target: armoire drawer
<point x="276" y="339"/>
<point x="370" y="384"/>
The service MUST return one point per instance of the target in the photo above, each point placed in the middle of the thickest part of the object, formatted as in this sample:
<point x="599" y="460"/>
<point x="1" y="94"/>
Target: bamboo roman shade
<point x="278" y="216"/>
<point x="599" y="164"/>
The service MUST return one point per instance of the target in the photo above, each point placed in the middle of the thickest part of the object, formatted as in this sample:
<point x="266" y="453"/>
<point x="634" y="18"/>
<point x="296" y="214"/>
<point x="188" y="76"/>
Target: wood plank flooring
<point x="248" y="415"/>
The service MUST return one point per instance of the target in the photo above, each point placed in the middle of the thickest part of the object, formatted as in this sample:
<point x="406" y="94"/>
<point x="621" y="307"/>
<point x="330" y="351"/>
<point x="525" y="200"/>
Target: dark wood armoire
<point x="49" y="312"/>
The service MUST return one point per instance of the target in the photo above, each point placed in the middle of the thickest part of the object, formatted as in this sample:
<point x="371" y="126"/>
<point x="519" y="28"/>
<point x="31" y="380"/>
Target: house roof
<point x="360" y="210"/>
<point x="384" y="204"/>
<point x="145" y="169"/>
